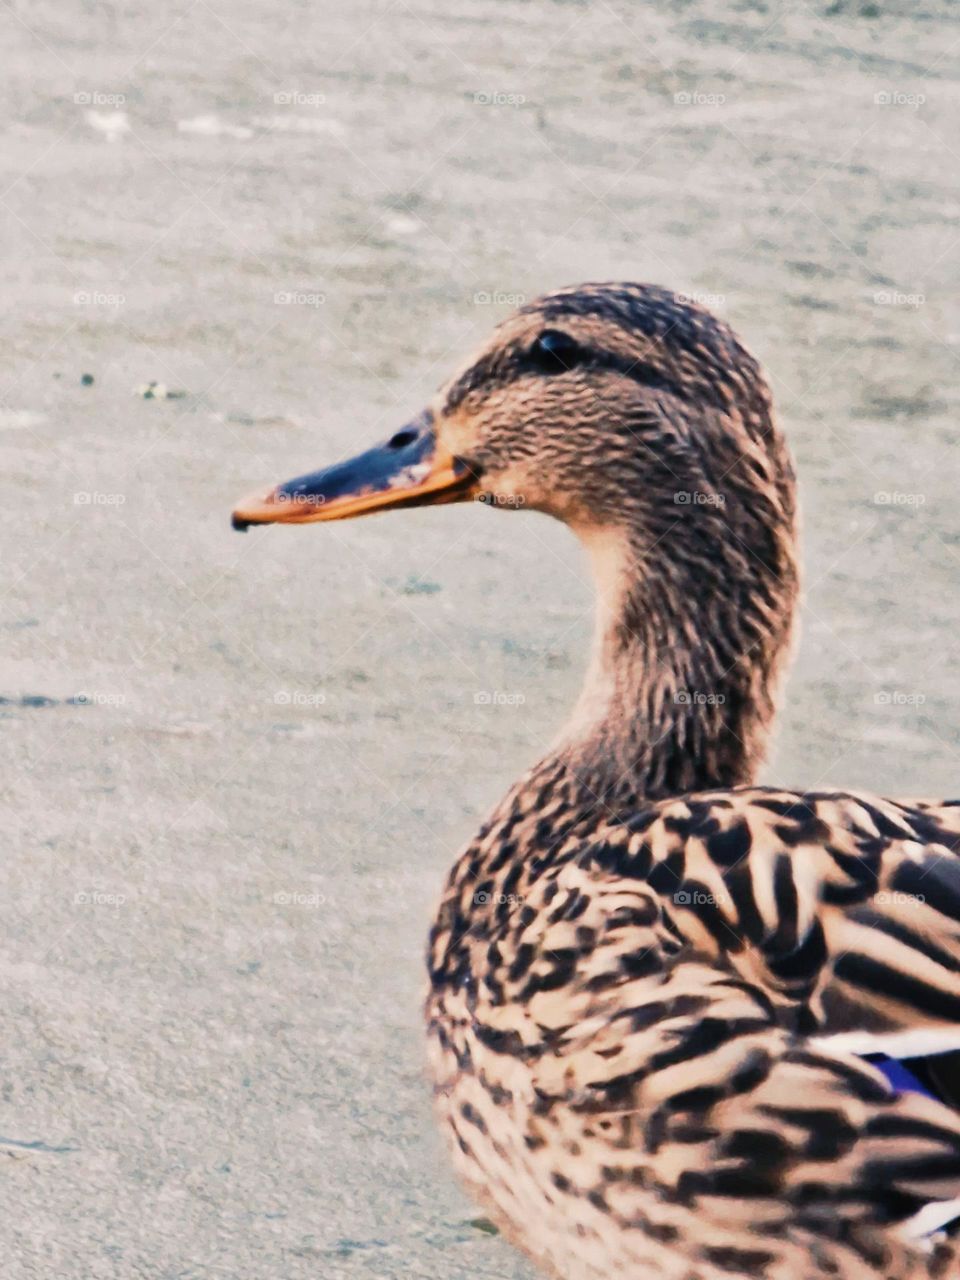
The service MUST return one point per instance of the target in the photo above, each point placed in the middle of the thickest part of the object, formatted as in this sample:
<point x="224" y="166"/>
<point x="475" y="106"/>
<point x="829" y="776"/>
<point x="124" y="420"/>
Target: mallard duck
<point x="668" y="1008"/>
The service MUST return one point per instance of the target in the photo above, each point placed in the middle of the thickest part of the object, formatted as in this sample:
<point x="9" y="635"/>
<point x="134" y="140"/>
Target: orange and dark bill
<point x="409" y="470"/>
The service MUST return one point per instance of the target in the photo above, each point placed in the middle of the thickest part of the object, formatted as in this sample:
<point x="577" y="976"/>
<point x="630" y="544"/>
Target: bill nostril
<point x="403" y="438"/>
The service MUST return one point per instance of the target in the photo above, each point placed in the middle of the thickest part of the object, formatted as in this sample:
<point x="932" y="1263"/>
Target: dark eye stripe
<point x="636" y="370"/>
<point x="504" y="367"/>
<point x="592" y="358"/>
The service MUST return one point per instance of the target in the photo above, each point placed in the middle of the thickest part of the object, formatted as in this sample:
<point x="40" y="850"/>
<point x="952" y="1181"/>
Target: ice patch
<point x="401" y="226"/>
<point x="112" y="124"/>
<point x="213" y="127"/>
<point x="20" y="419"/>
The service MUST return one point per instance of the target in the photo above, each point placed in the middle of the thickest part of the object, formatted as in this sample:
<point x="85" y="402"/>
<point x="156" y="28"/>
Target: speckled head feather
<point x="640" y="420"/>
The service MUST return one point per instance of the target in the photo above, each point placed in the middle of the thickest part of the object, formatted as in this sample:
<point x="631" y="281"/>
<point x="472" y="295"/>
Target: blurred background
<point x="236" y="768"/>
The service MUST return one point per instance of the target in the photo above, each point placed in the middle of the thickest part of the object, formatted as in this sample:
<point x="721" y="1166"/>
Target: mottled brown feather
<point x="636" y="962"/>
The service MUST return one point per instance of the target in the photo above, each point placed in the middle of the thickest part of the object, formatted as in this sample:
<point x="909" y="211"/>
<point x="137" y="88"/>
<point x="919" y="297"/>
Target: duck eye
<point x="555" y="352"/>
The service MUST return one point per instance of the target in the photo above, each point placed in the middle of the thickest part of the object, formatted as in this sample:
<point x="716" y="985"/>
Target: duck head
<point x="639" y="420"/>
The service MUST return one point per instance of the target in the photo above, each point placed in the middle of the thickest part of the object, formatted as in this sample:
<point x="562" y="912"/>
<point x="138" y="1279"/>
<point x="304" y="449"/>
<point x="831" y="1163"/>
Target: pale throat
<point x="613" y="569"/>
<point x="638" y="728"/>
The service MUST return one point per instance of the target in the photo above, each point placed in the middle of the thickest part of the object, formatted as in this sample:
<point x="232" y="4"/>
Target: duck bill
<point x="411" y="469"/>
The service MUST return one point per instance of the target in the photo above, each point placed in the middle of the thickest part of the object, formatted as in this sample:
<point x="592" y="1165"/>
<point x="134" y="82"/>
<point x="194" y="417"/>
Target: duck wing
<point x="690" y="1125"/>
<point x="844" y="908"/>
<point x="663" y="1120"/>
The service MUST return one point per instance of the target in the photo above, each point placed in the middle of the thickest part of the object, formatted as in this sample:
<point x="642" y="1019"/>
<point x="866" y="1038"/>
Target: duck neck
<point x="679" y="691"/>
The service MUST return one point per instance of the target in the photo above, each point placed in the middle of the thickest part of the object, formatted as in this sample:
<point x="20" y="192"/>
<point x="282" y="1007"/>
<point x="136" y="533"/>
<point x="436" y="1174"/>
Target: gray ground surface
<point x="218" y="872"/>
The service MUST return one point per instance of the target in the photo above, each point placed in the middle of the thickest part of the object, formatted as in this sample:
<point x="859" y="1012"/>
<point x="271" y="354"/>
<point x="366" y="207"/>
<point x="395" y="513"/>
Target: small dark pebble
<point x="419" y="587"/>
<point x="86" y="380"/>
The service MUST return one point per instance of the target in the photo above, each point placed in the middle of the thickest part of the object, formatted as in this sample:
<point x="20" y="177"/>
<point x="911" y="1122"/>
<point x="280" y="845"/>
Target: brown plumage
<point x="646" y="974"/>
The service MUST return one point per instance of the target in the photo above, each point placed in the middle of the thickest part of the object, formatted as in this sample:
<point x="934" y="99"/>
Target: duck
<point x="679" y="1024"/>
